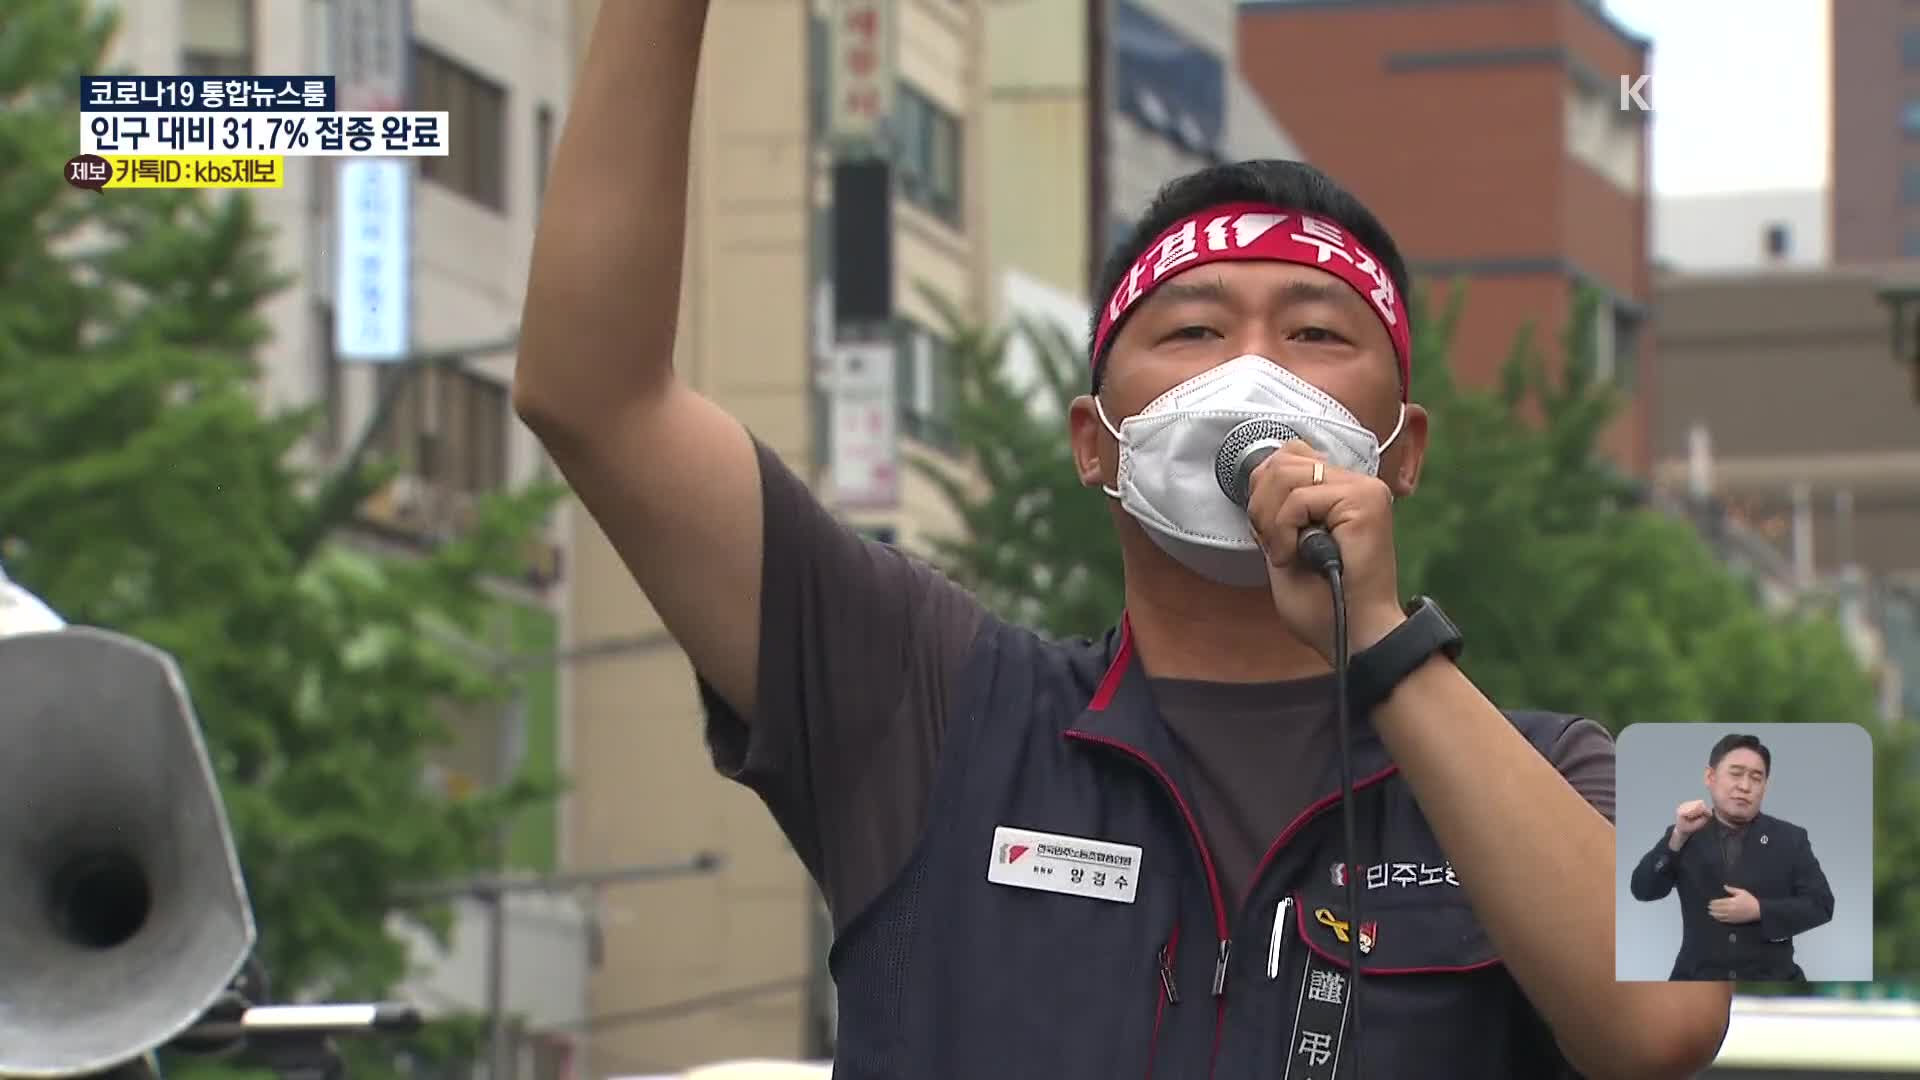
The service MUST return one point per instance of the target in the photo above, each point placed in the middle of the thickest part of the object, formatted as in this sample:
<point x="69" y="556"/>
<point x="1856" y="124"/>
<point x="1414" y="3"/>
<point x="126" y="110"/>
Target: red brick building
<point x="1495" y="139"/>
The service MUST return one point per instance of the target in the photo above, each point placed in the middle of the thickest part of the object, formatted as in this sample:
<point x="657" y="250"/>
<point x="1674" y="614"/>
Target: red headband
<point x="1240" y="231"/>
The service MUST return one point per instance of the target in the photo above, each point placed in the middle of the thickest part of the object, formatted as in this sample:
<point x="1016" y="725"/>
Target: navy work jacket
<point x="949" y="975"/>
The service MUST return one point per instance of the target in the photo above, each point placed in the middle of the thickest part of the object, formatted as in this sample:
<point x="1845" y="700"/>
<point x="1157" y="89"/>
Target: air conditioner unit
<point x="401" y="505"/>
<point x="543" y="563"/>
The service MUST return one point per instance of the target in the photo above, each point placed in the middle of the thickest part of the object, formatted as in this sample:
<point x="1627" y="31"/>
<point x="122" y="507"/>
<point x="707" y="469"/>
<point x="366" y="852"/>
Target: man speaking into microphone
<point x="1128" y="856"/>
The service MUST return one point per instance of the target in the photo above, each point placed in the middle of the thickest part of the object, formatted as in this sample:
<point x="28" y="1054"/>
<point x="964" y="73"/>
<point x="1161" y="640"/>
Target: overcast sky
<point x="1739" y="92"/>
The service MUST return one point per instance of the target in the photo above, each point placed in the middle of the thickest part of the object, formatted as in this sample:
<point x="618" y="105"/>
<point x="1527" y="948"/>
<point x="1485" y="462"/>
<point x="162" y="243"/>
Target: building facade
<point x="1489" y="137"/>
<point x="1791" y="378"/>
<point x="1749" y="230"/>
<point x="1784" y="405"/>
<point x="1091" y="107"/>
<point x="1876" y="130"/>
<point x="731" y="965"/>
<point x="502" y="71"/>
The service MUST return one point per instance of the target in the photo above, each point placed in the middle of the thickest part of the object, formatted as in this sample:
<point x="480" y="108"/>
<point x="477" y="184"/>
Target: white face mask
<point x="1167" y="451"/>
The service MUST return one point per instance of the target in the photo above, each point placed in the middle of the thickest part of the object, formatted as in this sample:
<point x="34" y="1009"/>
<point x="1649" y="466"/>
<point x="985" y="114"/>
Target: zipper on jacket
<point x="1171" y="993"/>
<point x="1220" y="968"/>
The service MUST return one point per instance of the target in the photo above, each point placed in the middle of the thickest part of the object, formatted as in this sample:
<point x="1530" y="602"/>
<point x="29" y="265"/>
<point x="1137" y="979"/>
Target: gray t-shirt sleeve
<point x="1584" y="755"/>
<point x="860" y="645"/>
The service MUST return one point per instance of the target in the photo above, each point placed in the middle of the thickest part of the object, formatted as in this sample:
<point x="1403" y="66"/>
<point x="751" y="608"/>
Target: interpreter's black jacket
<point x="1775" y="863"/>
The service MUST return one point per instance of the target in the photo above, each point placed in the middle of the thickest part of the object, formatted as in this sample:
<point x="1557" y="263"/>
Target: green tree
<point x="145" y="490"/>
<point x="1034" y="545"/>
<point x="1574" y="593"/>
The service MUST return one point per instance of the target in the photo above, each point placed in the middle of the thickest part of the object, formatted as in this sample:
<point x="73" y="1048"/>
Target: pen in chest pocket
<point x="1277" y="947"/>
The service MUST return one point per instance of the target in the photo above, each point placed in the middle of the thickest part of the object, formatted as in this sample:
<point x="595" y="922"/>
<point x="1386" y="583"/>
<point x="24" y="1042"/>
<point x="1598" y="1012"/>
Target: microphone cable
<point x="1320" y="551"/>
<point x="1246" y="446"/>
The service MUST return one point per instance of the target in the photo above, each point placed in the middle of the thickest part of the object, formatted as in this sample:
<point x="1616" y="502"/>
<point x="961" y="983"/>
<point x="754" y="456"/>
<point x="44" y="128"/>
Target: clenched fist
<point x="1690" y="818"/>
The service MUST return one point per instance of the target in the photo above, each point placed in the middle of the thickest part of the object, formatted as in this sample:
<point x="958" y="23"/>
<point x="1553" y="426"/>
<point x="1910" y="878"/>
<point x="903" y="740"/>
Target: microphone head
<point x="1240" y="452"/>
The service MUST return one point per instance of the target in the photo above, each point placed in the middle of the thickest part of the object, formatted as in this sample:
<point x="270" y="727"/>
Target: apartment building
<point x="502" y="72"/>
<point x="1489" y="136"/>
<point x="1876" y="130"/>
<point x="731" y="965"/>
<point x="1091" y="107"/>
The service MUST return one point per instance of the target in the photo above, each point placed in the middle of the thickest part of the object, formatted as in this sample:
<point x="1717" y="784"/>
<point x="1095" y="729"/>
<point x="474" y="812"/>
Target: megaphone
<point x="123" y="914"/>
<point x="125" y="926"/>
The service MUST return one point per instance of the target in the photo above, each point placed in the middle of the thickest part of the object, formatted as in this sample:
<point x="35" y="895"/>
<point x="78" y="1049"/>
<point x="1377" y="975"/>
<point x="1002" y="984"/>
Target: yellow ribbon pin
<point x="1325" y="917"/>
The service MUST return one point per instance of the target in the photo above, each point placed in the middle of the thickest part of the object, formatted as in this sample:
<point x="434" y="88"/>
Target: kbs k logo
<point x="1630" y="99"/>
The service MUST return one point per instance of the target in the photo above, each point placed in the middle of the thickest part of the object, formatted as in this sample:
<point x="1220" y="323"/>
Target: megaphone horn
<point x="123" y="914"/>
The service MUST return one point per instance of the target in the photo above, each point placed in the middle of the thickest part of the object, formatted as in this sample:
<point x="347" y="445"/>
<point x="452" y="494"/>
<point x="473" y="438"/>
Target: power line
<point x="489" y="885"/>
<point x="673" y="1010"/>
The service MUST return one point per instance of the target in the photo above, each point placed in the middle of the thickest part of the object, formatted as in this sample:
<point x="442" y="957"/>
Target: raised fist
<point x="1690" y="818"/>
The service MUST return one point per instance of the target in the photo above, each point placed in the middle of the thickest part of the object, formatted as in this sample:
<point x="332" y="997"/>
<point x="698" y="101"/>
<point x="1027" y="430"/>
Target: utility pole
<point x="493" y="891"/>
<point x="1099" y="137"/>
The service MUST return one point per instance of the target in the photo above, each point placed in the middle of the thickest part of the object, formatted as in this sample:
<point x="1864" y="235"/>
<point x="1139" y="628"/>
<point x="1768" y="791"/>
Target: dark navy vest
<point x="948" y="976"/>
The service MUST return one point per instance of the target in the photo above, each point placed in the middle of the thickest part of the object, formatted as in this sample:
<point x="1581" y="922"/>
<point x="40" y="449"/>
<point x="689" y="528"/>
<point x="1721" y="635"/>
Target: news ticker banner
<point x="180" y="131"/>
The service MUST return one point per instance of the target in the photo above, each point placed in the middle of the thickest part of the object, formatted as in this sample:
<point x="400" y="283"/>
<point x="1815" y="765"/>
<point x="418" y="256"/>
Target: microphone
<point x="1245" y="447"/>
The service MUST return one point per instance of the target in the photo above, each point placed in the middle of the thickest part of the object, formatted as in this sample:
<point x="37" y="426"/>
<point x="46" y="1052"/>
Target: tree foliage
<point x="1573" y="592"/>
<point x="146" y="490"/>
<point x="1035" y="546"/>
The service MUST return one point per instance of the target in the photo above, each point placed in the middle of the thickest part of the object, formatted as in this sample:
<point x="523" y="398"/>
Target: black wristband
<point x="1377" y="670"/>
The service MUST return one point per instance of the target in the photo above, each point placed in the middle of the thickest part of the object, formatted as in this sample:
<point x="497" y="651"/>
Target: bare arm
<point x="670" y="478"/>
<point x="1537" y="863"/>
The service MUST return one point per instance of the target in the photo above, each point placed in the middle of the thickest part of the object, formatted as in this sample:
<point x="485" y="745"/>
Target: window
<point x="1910" y="46"/>
<point x="542" y="152"/>
<point x="923" y="381"/>
<point x="1777" y="241"/>
<point x="448" y="427"/>
<point x="1616" y="345"/>
<point x="928" y="154"/>
<point x="216" y="38"/>
<point x="819" y="44"/>
<point x="1910" y="243"/>
<point x="1120" y="229"/>
<point x="476" y="161"/>
<point x="1910" y="117"/>
<point x="1910" y="183"/>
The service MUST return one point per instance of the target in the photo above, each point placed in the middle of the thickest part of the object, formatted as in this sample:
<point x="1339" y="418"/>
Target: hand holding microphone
<point x="1299" y="506"/>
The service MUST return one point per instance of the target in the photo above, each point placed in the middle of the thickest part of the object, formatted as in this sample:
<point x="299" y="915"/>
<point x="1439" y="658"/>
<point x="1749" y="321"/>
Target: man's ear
<point x="1408" y="454"/>
<point x="1092" y="445"/>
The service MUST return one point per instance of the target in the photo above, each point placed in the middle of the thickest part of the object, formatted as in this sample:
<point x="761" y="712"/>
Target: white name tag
<point x="1064" y="864"/>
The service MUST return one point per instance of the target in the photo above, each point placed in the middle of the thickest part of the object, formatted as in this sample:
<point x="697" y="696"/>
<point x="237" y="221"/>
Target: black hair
<point x="1730" y="743"/>
<point x="1290" y="185"/>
